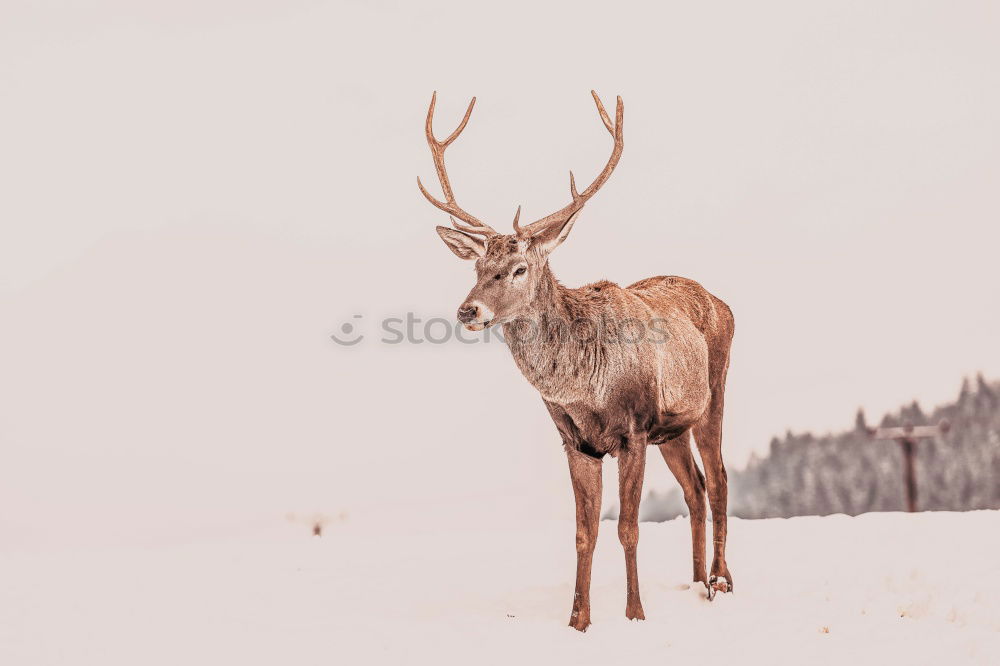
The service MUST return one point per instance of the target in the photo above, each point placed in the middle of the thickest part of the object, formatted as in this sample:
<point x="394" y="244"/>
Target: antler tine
<point x="475" y="226"/>
<point x="604" y="114"/>
<point x="580" y="198"/>
<point x="468" y="230"/>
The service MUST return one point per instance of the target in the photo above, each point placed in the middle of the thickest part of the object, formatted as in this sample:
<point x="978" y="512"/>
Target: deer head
<point x="509" y="268"/>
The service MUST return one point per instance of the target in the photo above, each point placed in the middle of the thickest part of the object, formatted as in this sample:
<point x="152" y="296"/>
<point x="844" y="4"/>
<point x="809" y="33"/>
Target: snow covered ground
<point x="880" y="588"/>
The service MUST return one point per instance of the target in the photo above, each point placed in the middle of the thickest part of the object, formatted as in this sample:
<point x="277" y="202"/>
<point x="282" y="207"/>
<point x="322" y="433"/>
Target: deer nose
<point x="467" y="313"/>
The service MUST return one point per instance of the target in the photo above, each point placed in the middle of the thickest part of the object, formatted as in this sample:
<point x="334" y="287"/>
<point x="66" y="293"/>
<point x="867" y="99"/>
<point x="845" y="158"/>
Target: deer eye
<point x="498" y="276"/>
<point x="520" y="271"/>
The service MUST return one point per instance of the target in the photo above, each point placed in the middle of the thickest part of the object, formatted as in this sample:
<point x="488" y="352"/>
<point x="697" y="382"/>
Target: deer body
<point x="618" y="369"/>
<point x="662" y="381"/>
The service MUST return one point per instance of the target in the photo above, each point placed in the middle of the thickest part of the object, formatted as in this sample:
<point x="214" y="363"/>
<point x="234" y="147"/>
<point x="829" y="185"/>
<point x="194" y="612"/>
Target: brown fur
<point x="619" y="369"/>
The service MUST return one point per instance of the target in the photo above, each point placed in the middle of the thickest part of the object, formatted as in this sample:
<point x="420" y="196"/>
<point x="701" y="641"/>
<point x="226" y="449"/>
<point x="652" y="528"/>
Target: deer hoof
<point x="635" y="614"/>
<point x="579" y="620"/>
<point x="718" y="584"/>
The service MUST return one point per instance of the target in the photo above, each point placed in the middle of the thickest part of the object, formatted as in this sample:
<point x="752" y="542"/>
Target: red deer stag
<point x="618" y="369"/>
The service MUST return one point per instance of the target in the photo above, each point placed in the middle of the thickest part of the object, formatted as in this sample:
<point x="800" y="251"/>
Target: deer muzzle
<point x="475" y="316"/>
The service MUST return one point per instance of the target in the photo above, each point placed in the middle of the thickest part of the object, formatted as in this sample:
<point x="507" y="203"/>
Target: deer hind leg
<point x="708" y="437"/>
<point x="631" y="467"/>
<point x="677" y="454"/>
<point x="585" y="472"/>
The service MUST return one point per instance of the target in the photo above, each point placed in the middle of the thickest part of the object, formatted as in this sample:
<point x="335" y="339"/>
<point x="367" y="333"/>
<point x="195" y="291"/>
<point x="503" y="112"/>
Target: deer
<point x="619" y="369"/>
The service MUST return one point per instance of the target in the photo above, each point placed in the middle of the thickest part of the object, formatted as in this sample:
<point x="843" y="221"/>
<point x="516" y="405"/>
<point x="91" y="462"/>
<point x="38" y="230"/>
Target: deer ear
<point x="552" y="237"/>
<point x="463" y="245"/>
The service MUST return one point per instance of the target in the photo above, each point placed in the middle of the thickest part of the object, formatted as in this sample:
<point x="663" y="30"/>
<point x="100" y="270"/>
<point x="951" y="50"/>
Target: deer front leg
<point x="585" y="472"/>
<point x="631" y="466"/>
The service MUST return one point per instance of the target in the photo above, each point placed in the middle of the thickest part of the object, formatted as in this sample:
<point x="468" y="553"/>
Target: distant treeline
<point x="851" y="473"/>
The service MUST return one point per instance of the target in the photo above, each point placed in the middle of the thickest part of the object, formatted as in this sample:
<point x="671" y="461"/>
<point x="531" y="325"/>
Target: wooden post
<point x="907" y="438"/>
<point x="909" y="446"/>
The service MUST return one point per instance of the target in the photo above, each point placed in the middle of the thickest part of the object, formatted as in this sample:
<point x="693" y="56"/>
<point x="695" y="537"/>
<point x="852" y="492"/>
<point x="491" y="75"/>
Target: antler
<point x="580" y="198"/>
<point x="448" y="205"/>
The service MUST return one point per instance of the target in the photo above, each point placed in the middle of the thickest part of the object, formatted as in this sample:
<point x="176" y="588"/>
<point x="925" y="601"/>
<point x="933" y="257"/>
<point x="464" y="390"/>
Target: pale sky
<point x="196" y="194"/>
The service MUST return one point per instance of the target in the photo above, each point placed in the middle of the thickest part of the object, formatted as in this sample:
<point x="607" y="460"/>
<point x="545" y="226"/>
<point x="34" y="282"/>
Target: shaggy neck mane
<point x="553" y="354"/>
